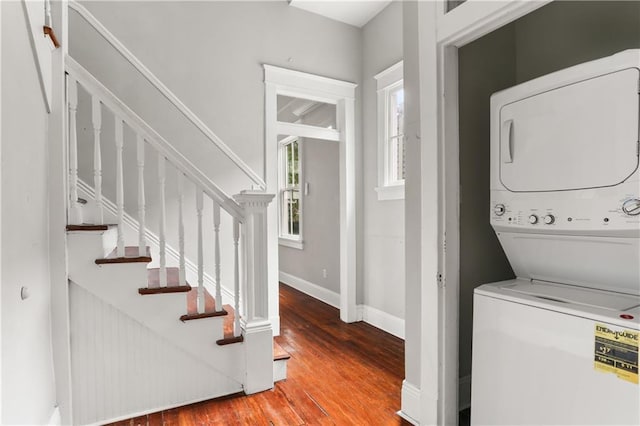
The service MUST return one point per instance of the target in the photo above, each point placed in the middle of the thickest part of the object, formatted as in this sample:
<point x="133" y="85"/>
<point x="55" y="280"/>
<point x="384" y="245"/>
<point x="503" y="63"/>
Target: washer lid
<point x="575" y="295"/>
<point x="582" y="135"/>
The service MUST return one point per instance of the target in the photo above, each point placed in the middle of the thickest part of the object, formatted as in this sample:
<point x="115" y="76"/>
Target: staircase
<point x="154" y="323"/>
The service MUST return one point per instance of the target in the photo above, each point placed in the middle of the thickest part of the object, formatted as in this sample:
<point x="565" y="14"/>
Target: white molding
<point x="168" y="94"/>
<point x="307" y="131"/>
<point x="314" y="290"/>
<point x="390" y="76"/>
<point x="280" y="81"/>
<point x="464" y="392"/>
<point x="410" y="410"/>
<point x="476" y="18"/>
<point x="152" y="137"/>
<point x="383" y="320"/>
<point x="153" y="240"/>
<point x="287" y="242"/>
<point x="391" y="192"/>
<point x="308" y="82"/>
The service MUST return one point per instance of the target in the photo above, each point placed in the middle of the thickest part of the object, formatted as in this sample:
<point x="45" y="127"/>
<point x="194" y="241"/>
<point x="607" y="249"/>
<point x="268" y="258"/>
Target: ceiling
<point x="353" y="12"/>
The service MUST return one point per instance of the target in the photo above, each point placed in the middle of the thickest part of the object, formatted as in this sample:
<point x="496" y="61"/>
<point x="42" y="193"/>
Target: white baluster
<point x="142" y="241"/>
<point x="216" y="230"/>
<point x="75" y="212"/>
<point x="182" y="280"/>
<point x="119" y="138"/>
<point x="236" y="277"/>
<point x="162" y="172"/>
<point x="96" y="116"/>
<point x="199" y="207"/>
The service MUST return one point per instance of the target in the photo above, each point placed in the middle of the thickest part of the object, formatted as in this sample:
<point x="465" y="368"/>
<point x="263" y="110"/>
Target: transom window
<point x="291" y="203"/>
<point x="391" y="146"/>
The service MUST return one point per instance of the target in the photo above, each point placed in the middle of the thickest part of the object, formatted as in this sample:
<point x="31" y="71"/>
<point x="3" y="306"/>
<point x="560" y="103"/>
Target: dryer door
<point x="583" y="135"/>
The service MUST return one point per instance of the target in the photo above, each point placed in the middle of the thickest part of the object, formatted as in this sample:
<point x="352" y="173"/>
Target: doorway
<point x="312" y="90"/>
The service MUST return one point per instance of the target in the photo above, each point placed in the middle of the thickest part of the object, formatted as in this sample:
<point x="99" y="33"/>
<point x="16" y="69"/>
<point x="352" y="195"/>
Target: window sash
<point x="290" y="199"/>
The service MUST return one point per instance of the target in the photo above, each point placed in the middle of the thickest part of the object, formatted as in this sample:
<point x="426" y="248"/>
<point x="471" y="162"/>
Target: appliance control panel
<point x="578" y="212"/>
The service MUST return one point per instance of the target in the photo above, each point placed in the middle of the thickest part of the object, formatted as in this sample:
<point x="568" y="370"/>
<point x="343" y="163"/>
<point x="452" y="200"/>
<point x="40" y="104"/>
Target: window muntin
<point x="395" y="149"/>
<point x="391" y="137"/>
<point x="291" y="203"/>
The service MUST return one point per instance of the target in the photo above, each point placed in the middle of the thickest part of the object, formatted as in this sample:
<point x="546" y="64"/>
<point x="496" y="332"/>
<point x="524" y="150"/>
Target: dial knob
<point x="631" y="207"/>
<point x="533" y="219"/>
<point x="549" y="219"/>
<point x="499" y="209"/>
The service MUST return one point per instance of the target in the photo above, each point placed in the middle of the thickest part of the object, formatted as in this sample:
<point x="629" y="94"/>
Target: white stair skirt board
<point x="464" y="392"/>
<point x="121" y="368"/>
<point x="117" y="285"/>
<point x="377" y="318"/>
<point x="410" y="403"/>
<point x="131" y="234"/>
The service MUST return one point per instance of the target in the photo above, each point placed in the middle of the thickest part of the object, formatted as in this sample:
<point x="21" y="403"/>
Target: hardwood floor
<point x="338" y="374"/>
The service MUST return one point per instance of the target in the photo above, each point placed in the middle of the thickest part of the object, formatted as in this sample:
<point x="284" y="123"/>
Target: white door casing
<point x="281" y="81"/>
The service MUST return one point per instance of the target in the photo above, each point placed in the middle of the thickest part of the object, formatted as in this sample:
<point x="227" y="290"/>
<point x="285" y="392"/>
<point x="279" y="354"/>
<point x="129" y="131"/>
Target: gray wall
<point x="28" y="394"/>
<point x="321" y="222"/>
<point x="485" y="66"/>
<point x="210" y="54"/>
<point x="554" y="37"/>
<point x="383" y="233"/>
<point x="211" y="57"/>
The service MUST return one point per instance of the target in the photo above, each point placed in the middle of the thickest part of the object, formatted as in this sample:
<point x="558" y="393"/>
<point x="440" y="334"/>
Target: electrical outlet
<point x="324" y="273"/>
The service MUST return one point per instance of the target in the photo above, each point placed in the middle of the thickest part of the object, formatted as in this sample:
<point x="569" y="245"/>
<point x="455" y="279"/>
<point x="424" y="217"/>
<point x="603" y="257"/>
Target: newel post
<point x="258" y="332"/>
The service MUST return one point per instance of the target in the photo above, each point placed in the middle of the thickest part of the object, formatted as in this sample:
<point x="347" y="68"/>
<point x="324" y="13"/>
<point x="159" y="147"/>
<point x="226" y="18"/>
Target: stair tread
<point x="228" y="328"/>
<point x="279" y="353"/>
<point x="209" y="306"/>
<point x="90" y="227"/>
<point x="173" y="282"/>
<point x="130" y="256"/>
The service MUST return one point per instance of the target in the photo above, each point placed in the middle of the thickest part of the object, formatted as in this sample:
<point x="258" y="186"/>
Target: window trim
<point x="386" y="82"/>
<point x="289" y="240"/>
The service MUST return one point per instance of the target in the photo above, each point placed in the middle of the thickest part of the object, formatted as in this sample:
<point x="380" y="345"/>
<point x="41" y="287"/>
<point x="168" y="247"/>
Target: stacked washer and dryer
<point x="558" y="345"/>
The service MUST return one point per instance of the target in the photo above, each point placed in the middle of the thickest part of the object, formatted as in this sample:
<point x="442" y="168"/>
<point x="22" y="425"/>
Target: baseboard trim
<point x="382" y="320"/>
<point x="314" y="290"/>
<point x="410" y="403"/>
<point x="377" y="318"/>
<point x="464" y="392"/>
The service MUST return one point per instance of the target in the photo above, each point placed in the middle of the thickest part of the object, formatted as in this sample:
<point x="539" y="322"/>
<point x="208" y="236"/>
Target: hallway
<point x="338" y="374"/>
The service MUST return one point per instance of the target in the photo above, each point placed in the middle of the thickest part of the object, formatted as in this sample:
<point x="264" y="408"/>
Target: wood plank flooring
<point x="338" y="374"/>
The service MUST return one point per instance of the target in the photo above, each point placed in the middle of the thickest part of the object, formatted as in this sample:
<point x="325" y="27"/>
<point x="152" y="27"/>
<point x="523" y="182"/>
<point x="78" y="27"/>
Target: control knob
<point x="533" y="219"/>
<point x="549" y="219"/>
<point x="499" y="209"/>
<point x="631" y="207"/>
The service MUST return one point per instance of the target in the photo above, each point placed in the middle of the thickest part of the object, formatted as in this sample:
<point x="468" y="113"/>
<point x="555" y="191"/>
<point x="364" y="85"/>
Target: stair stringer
<point x="117" y="285"/>
<point x="121" y="368"/>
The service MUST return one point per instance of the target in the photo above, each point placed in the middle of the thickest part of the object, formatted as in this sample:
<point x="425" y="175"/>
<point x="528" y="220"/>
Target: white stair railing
<point x="247" y="214"/>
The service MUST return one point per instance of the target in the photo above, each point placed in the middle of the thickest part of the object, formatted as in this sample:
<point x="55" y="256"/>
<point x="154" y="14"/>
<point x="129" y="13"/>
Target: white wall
<point x="28" y="395"/>
<point x="321" y="221"/>
<point x="383" y="227"/>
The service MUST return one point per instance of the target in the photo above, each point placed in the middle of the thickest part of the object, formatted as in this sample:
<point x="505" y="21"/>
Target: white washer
<point x="565" y="205"/>
<point x="537" y="359"/>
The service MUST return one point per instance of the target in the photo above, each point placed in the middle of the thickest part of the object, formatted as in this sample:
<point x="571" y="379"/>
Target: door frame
<point x="440" y="292"/>
<point x="282" y="81"/>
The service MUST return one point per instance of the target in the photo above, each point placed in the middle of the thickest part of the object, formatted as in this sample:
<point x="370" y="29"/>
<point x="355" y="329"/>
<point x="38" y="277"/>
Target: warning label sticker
<point x="616" y="351"/>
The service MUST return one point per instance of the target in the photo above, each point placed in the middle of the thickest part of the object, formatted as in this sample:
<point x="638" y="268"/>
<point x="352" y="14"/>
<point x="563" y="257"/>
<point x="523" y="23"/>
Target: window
<point x="391" y="146"/>
<point x="290" y="199"/>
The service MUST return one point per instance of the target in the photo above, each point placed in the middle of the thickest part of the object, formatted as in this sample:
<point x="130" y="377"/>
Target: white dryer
<point x="559" y="345"/>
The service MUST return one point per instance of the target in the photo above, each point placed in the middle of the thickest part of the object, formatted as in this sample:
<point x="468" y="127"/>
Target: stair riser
<point x="117" y="285"/>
